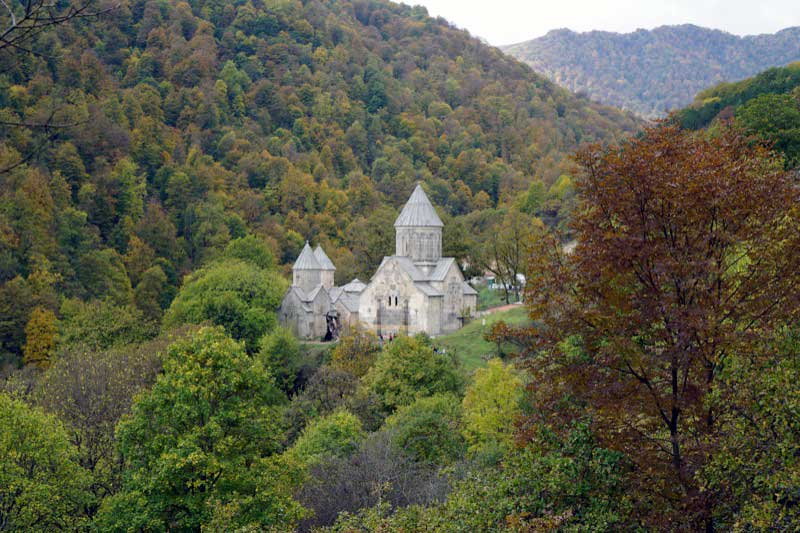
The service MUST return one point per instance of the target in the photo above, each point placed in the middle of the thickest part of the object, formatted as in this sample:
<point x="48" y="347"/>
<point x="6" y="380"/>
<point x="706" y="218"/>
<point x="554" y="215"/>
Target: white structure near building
<point x="414" y="291"/>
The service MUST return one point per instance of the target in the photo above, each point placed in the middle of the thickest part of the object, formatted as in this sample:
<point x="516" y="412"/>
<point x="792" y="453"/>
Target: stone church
<point x="414" y="291"/>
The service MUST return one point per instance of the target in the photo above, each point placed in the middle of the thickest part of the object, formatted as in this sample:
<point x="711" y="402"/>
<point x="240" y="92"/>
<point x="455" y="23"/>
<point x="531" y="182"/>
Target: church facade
<point x="414" y="291"/>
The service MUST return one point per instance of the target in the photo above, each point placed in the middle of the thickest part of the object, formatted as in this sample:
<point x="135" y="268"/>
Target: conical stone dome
<point x="418" y="230"/>
<point x="418" y="212"/>
<point x="307" y="260"/>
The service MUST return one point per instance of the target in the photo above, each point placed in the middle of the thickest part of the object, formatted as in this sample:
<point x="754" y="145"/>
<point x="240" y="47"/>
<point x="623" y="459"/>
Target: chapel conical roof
<point x="324" y="262"/>
<point x="418" y="211"/>
<point x="307" y="260"/>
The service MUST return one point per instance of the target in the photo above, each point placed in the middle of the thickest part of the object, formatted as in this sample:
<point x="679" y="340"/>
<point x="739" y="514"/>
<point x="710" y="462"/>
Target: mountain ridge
<point x="652" y="72"/>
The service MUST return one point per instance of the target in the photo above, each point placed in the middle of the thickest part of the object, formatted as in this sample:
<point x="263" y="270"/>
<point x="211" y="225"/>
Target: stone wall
<point x="453" y="302"/>
<point x="408" y="310"/>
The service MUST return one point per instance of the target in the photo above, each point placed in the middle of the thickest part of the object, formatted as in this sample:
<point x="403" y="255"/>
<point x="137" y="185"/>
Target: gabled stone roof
<point x="301" y="296"/>
<point x="415" y="273"/>
<point x="355" y="286"/>
<point x="467" y="289"/>
<point x="427" y="289"/>
<point x="323" y="259"/>
<point x="314" y="292"/>
<point x="307" y="297"/>
<point x="335" y="292"/>
<point x="350" y="301"/>
<point x="442" y="268"/>
<point x="418" y="212"/>
<point x="406" y="264"/>
<point x="307" y="260"/>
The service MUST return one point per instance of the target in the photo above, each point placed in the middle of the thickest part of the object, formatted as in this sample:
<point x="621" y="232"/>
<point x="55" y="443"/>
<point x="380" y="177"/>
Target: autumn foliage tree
<point x="687" y="255"/>
<point x="41" y="335"/>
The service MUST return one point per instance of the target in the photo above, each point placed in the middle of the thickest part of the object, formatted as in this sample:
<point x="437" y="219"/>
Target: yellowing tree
<point x="491" y="404"/>
<point x="356" y="352"/>
<point x="41" y="335"/>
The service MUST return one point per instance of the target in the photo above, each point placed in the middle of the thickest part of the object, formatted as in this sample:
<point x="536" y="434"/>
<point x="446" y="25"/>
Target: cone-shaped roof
<point x="418" y="212"/>
<point x="306" y="260"/>
<point x="355" y="286"/>
<point x="323" y="259"/>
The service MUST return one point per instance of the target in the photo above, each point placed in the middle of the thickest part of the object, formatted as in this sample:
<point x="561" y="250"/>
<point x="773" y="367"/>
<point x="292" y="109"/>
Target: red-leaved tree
<point x="688" y="251"/>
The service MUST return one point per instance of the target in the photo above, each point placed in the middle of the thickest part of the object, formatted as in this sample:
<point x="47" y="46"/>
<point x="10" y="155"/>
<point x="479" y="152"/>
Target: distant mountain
<point x="652" y="72"/>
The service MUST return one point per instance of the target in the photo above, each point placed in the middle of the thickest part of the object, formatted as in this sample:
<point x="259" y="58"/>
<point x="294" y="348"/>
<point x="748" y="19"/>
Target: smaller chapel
<point x="414" y="291"/>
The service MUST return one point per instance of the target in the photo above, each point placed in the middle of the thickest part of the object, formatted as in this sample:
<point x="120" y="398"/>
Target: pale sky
<point x="510" y="21"/>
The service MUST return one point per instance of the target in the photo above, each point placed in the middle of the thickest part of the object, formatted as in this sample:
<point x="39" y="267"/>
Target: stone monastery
<point x="414" y="291"/>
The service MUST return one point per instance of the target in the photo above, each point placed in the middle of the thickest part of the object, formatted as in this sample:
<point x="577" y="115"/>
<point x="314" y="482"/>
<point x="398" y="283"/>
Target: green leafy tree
<point x="250" y="249"/>
<point x="429" y="429"/>
<point x="557" y="485"/>
<point x="372" y="237"/>
<point x="202" y="441"/>
<point x="279" y="351"/>
<point x="90" y="391"/>
<point x="236" y="295"/>
<point x="335" y="435"/>
<point x="775" y="118"/>
<point x="150" y="293"/>
<point x="505" y="252"/>
<point x="103" y="275"/>
<point x="15" y="308"/>
<point x="531" y="202"/>
<point x="756" y="470"/>
<point x="101" y="325"/>
<point x="42" y="486"/>
<point x="491" y="404"/>
<point x="408" y="368"/>
<point x="564" y="484"/>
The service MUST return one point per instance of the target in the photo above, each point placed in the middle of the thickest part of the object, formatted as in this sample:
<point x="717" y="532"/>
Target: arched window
<point x="395" y="300"/>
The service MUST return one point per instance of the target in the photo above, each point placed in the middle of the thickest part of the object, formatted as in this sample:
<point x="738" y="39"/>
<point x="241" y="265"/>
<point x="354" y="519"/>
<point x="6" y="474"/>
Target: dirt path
<point x="492" y="310"/>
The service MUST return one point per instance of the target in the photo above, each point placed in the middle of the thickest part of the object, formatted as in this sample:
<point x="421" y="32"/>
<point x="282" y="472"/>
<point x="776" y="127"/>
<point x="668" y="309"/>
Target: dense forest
<point x="162" y="163"/>
<point x="652" y="72"/>
<point x="160" y="131"/>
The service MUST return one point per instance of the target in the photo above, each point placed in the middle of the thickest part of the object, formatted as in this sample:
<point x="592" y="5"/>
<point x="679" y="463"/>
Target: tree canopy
<point x="237" y="295"/>
<point x="42" y="486"/>
<point x="685" y="258"/>
<point x="408" y="368"/>
<point x="202" y="442"/>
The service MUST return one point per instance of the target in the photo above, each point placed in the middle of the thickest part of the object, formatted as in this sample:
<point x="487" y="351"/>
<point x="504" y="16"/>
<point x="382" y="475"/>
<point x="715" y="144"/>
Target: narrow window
<point x="390" y="301"/>
<point x="395" y="300"/>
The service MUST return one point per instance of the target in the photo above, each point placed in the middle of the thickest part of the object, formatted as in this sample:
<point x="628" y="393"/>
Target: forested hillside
<point x="655" y="71"/>
<point x="138" y="144"/>
<point x="160" y="168"/>
<point x="766" y="105"/>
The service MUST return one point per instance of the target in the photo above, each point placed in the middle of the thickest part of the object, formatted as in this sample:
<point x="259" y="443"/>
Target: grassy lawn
<point x="468" y="343"/>
<point x="488" y="298"/>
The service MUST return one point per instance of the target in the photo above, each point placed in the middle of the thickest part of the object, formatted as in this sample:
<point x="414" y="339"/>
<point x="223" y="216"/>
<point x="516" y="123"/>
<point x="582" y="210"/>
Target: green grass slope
<point x="469" y="345"/>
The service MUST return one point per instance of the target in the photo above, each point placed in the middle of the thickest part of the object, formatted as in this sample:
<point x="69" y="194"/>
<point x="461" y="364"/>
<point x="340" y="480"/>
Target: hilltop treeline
<point x="652" y="72"/>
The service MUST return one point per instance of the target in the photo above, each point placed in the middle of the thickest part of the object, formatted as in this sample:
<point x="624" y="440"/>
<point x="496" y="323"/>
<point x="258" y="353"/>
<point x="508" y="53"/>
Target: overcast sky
<point x="511" y="21"/>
